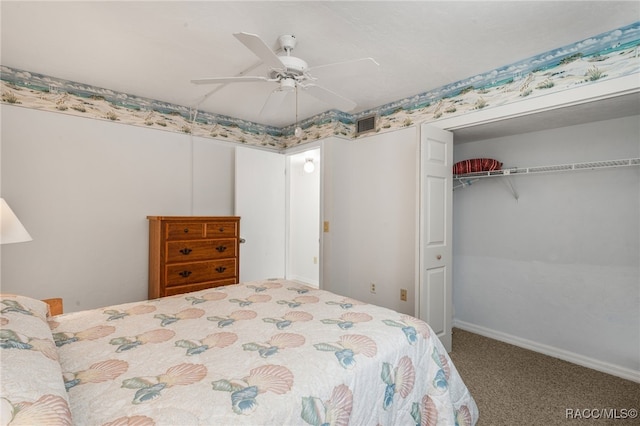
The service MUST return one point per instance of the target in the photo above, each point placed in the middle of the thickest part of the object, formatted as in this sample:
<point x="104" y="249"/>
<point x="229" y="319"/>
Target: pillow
<point x="32" y="389"/>
<point x="476" y="165"/>
<point x="26" y="305"/>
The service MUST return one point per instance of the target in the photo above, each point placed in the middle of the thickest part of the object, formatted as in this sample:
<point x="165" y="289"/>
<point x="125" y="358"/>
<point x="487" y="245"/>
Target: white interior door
<point x="434" y="287"/>
<point x="260" y="203"/>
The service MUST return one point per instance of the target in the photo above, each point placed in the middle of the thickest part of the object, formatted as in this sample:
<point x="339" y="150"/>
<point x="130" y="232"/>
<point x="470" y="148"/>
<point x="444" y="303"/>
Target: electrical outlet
<point x="372" y="288"/>
<point x="403" y="294"/>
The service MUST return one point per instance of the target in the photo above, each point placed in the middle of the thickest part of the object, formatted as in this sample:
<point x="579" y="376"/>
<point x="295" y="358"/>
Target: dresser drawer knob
<point x="221" y="229"/>
<point x="185" y="274"/>
<point x="220" y="249"/>
<point x="186" y="230"/>
<point x="221" y="269"/>
<point x="186" y="251"/>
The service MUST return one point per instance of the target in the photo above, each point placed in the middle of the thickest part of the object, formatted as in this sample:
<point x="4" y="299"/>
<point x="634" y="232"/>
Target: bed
<point x="265" y="352"/>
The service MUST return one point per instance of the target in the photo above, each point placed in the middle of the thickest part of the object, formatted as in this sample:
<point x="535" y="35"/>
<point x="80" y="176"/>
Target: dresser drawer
<point x="221" y="229"/>
<point x="187" y="273"/>
<point x="188" y="251"/>
<point x="184" y="231"/>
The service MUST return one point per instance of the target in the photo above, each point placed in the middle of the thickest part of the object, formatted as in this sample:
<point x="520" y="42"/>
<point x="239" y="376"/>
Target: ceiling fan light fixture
<point x="288" y="84"/>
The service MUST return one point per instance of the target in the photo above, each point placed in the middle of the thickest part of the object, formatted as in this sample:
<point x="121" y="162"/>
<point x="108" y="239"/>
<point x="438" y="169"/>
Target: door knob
<point x="439" y="257"/>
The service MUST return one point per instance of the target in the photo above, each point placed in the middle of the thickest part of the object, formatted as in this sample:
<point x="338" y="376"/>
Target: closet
<point x="546" y="251"/>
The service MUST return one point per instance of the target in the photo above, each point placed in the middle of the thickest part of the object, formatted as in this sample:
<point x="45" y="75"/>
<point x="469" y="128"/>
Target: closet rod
<point x="469" y="178"/>
<point x="592" y="165"/>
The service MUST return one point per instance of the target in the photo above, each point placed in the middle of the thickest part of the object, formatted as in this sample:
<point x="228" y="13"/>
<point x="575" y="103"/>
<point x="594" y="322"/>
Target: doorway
<point x="303" y="249"/>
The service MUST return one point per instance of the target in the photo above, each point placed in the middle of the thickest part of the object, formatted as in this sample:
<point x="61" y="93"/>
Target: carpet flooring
<point x="515" y="386"/>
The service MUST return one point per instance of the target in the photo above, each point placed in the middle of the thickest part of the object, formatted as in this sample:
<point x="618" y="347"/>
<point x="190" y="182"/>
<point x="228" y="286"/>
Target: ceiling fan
<point x="292" y="73"/>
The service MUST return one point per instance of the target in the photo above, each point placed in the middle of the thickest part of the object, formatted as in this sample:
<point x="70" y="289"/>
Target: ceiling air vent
<point x="366" y="124"/>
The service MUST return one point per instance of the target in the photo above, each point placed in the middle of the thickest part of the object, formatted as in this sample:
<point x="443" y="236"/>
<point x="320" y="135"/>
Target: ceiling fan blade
<point x="220" y="86"/>
<point x="348" y="68"/>
<point x="254" y="43"/>
<point x="332" y="98"/>
<point x="224" y="80"/>
<point x="273" y="102"/>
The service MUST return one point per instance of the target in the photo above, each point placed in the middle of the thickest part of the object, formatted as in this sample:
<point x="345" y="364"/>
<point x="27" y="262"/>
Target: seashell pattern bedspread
<point x="263" y="352"/>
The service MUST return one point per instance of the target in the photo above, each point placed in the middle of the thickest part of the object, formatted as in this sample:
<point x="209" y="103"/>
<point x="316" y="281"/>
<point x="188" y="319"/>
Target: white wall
<point x="370" y="202"/>
<point x="83" y="189"/>
<point x="559" y="269"/>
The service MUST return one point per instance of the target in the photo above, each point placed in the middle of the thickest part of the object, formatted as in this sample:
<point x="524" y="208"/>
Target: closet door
<point x="260" y="203"/>
<point x="434" y="301"/>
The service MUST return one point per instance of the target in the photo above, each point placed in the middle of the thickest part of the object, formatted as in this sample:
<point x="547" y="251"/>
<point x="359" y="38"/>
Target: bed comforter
<point x="264" y="352"/>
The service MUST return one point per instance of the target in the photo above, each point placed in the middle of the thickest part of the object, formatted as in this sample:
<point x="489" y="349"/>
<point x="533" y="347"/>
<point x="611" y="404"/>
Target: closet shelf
<point x="467" y="179"/>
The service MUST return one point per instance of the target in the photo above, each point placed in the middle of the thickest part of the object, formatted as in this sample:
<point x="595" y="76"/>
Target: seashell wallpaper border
<point x="607" y="56"/>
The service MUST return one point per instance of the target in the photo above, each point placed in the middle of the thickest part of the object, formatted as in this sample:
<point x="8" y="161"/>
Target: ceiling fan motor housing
<point x="293" y="67"/>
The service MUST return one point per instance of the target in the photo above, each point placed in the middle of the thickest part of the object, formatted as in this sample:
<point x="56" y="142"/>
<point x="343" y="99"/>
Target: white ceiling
<point x="154" y="48"/>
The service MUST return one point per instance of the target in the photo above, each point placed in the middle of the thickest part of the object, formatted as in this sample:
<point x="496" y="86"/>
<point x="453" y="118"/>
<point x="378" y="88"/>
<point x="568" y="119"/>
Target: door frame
<point x="288" y="153"/>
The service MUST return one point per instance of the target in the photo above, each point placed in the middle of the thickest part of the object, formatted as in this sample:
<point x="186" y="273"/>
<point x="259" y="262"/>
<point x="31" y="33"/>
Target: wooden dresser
<point x="189" y="253"/>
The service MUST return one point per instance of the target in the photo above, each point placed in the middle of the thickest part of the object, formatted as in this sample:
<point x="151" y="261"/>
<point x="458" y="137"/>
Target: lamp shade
<point x="11" y="230"/>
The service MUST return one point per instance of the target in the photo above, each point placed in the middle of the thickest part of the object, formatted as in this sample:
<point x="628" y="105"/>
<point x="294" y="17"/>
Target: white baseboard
<point x="605" y="367"/>
<point x="302" y="280"/>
